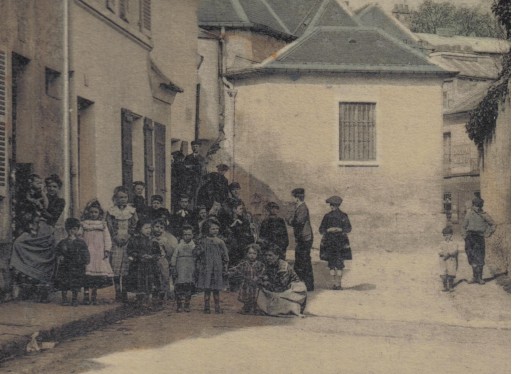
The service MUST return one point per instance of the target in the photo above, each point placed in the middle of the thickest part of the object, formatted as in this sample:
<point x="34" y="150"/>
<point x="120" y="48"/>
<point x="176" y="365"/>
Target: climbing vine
<point x="482" y="120"/>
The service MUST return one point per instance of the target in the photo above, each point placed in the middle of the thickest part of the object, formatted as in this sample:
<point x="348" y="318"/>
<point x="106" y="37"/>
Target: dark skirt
<point x="70" y="276"/>
<point x="335" y="249"/>
<point x="97" y="281"/>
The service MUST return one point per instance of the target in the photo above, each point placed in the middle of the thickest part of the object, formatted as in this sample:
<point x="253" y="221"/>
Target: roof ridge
<point x="316" y="4"/>
<point x="287" y="49"/>
<point x="276" y="17"/>
<point x="321" y="11"/>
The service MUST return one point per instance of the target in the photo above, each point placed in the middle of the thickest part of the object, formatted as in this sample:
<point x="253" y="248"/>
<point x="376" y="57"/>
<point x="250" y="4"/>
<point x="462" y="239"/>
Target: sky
<point x="388" y="4"/>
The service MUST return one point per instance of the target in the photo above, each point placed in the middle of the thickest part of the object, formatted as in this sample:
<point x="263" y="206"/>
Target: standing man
<point x="303" y="238"/>
<point x="195" y="167"/>
<point x="476" y="227"/>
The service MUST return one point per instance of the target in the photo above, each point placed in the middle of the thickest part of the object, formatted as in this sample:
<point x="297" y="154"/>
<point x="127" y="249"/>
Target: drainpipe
<point x="231" y="92"/>
<point x="65" y="110"/>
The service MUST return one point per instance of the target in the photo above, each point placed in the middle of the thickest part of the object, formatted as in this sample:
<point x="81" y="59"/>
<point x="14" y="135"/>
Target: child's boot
<point x="179" y="304"/>
<point x="445" y="283"/>
<point x="475" y="275"/>
<point x="74" y="299"/>
<point x="86" y="300"/>
<point x="216" y="299"/>
<point x="207" y="303"/>
<point x="450" y="281"/>
<point x="65" y="300"/>
<point x="187" y="302"/>
<point x="94" y="296"/>
<point x="117" y="287"/>
<point x="480" y="271"/>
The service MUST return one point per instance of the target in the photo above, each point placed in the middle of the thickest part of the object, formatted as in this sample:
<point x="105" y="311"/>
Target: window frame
<point x="337" y="136"/>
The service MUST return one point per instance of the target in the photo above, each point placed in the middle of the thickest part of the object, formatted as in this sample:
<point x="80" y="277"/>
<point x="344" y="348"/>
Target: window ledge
<point x="370" y="164"/>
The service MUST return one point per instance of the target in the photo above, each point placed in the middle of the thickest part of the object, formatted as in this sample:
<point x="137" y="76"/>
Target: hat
<point x="478" y="202"/>
<point x="222" y="167"/>
<point x="157" y="198"/>
<point x="196" y="142"/>
<point x="235" y="186"/>
<point x="298" y="191"/>
<point x="139" y="183"/>
<point x="334" y="200"/>
<point x="271" y="205"/>
<point x="184" y="196"/>
<point x="448" y="230"/>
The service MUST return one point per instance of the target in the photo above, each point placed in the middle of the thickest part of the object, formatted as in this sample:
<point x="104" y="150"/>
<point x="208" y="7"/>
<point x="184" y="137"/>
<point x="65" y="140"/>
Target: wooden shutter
<point x="146" y="15"/>
<point x="4" y="112"/>
<point x="126" y="148"/>
<point x="160" y="165"/>
<point x="148" y="157"/>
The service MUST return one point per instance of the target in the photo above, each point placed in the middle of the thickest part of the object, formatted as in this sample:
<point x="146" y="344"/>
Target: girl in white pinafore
<point x="98" y="272"/>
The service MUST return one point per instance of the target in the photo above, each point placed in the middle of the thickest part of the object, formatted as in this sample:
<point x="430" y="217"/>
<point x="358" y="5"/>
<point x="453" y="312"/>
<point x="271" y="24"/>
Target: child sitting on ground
<point x="72" y="256"/>
<point x="183" y="268"/>
<point x="250" y="272"/>
<point x="448" y="258"/>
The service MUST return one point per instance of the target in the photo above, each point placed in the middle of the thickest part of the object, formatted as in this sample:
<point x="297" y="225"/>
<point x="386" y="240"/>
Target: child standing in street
<point x="448" y="258"/>
<point x="121" y="222"/>
<point x="167" y="244"/>
<point x="250" y="272"/>
<point x="143" y="254"/>
<point x="72" y="256"/>
<point x="98" y="272"/>
<point x="183" y="268"/>
<point x="212" y="258"/>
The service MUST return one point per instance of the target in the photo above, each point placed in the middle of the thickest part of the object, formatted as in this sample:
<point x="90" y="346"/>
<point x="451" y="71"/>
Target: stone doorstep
<point x="17" y="345"/>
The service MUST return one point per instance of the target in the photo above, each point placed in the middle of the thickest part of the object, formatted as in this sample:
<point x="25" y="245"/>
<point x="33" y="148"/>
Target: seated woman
<point x="281" y="290"/>
<point x="33" y="257"/>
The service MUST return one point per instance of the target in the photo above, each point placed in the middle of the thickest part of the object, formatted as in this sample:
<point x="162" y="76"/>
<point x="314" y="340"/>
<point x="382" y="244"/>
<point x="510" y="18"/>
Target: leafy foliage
<point x="464" y="20"/>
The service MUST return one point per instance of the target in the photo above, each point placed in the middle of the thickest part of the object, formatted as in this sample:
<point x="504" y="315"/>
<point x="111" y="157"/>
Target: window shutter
<point x="148" y="157"/>
<point x="126" y="148"/>
<point x="160" y="165"/>
<point x="123" y="9"/>
<point x="4" y="156"/>
<point x="146" y="15"/>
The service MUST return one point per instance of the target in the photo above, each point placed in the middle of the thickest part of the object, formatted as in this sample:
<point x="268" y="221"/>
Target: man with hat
<point x="215" y="189"/>
<point x="335" y="247"/>
<point x="195" y="167"/>
<point x="476" y="227"/>
<point x="303" y="238"/>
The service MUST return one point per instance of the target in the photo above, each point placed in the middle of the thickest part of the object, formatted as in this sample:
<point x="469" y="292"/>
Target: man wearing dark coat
<point x="194" y="169"/>
<point x="303" y="238"/>
<point x="335" y="247"/>
<point x="215" y="189"/>
<point x="273" y="229"/>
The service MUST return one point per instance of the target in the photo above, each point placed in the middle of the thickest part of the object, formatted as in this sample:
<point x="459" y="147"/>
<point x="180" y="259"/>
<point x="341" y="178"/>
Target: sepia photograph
<point x="255" y="186"/>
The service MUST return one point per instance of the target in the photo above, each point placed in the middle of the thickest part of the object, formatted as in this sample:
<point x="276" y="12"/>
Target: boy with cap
<point x="273" y="229"/>
<point x="335" y="244"/>
<point x="449" y="259"/>
<point x="476" y="227"/>
<point x="304" y="239"/>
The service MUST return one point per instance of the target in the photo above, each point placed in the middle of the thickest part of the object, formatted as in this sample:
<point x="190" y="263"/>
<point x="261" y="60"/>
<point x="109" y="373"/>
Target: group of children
<point x="145" y="250"/>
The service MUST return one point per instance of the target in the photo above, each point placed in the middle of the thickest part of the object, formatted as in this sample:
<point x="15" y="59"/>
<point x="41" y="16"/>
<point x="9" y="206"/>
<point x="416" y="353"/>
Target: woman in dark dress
<point x="273" y="229"/>
<point x="56" y="204"/>
<point x="335" y="247"/>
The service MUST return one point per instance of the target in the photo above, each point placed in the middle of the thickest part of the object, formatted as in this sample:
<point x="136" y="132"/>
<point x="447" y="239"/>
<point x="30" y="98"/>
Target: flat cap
<point x="222" y="167"/>
<point x="196" y="142"/>
<point x="235" y="186"/>
<point x="334" y="200"/>
<point x="298" y="191"/>
<point x="448" y="230"/>
<point x="478" y="202"/>
<point x="271" y="205"/>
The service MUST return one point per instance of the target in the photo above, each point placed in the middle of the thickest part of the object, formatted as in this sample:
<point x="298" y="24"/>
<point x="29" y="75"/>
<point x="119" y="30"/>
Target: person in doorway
<point x="335" y="246"/>
<point x="215" y="189"/>
<point x="303" y="238"/>
<point x="195" y="169"/>
<point x="182" y="216"/>
<point x="476" y="227"/>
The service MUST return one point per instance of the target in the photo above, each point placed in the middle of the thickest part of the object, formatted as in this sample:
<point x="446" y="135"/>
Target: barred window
<point x="357" y="132"/>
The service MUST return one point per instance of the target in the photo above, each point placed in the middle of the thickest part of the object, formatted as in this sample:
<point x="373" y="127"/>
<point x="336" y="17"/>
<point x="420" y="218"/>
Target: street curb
<point x="17" y="346"/>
